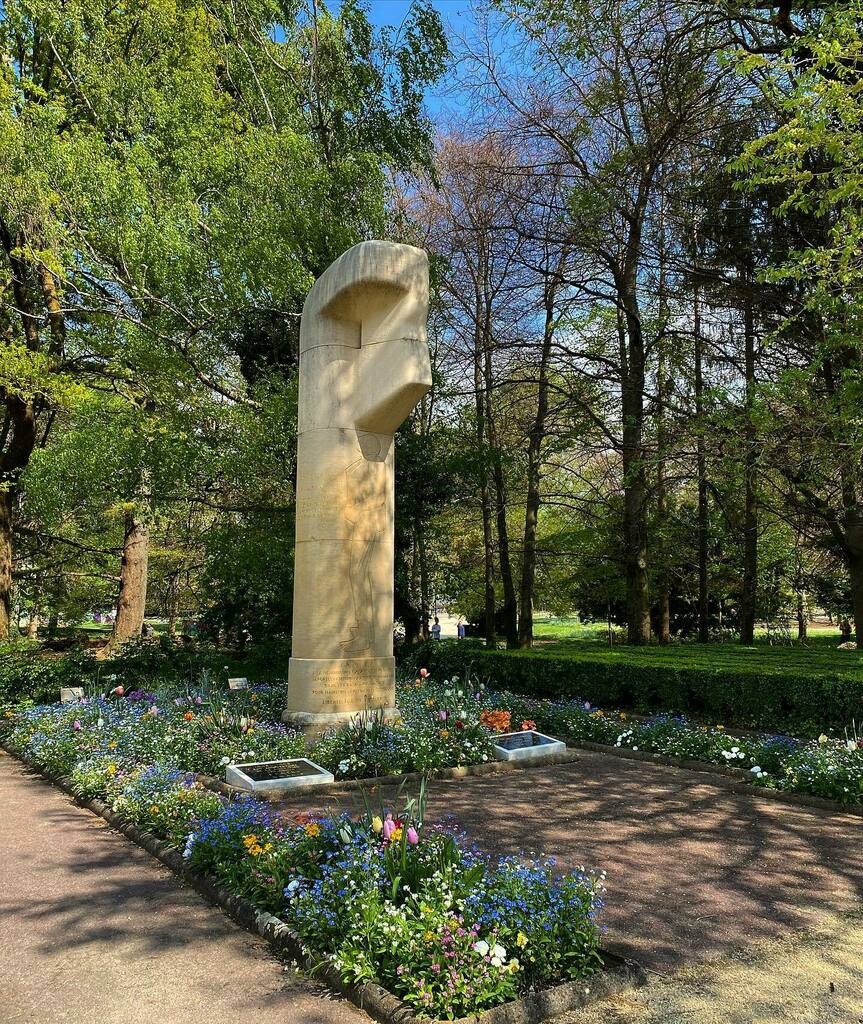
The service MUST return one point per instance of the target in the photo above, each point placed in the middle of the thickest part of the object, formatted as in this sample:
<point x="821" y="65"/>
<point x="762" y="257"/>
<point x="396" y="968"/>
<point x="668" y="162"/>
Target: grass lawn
<point x="817" y="655"/>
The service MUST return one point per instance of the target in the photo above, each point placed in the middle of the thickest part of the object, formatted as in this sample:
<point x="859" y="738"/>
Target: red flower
<point x="459" y="725"/>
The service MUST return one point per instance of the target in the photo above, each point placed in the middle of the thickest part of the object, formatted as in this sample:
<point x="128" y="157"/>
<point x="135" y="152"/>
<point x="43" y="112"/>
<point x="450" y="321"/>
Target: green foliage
<point x="773" y="697"/>
<point x="26" y="673"/>
<point x="816" y="152"/>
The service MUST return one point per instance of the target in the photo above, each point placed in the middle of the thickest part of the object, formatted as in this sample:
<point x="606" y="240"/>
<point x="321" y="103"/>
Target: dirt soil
<point x="813" y="977"/>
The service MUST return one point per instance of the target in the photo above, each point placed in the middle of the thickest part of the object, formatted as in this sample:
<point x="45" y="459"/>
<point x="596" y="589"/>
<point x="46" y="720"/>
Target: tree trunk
<point x="634" y="477"/>
<point x="749" y="596"/>
<point x="7" y="500"/>
<point x="425" y="613"/>
<point x="701" y="472"/>
<point x="510" y="605"/>
<point x="802" y="618"/>
<point x="132" y="596"/>
<point x="534" y="462"/>
<point x="33" y="622"/>
<point x="663" y="587"/>
<point x="855" y="570"/>
<point x="173" y="605"/>
<point x="484" y="490"/>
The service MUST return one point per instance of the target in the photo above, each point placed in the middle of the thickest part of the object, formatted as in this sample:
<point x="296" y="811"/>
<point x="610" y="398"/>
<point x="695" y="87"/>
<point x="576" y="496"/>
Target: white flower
<point x="343" y="766"/>
<point x="755" y="769"/>
<point x="496" y="961"/>
<point x="225" y="760"/>
<point x="292" y="886"/>
<point x="635" y="748"/>
<point x="481" y="947"/>
<point x="498" y="951"/>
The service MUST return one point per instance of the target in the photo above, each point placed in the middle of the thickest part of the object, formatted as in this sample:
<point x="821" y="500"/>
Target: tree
<point x="617" y="91"/>
<point x="172" y="179"/>
<point x="814" y="155"/>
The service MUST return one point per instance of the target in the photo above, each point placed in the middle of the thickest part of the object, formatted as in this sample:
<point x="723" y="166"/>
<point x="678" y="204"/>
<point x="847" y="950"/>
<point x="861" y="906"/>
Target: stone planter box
<point x="526" y="745"/>
<point x="294" y="773"/>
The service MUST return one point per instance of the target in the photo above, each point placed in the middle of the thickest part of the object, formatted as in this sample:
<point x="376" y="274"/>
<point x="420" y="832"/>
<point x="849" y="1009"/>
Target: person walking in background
<point x="844" y="629"/>
<point x="435" y="630"/>
<point x="460" y="630"/>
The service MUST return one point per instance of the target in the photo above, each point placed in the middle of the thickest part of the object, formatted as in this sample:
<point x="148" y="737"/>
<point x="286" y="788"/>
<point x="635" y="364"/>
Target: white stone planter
<point x="526" y="745"/>
<point x="294" y="773"/>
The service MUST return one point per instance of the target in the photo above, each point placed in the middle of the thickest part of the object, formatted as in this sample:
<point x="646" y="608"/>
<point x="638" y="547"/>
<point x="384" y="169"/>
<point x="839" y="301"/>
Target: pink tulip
<point x="118" y="690"/>
<point x="424" y="673"/>
<point x="389" y="827"/>
<point x="413" y="838"/>
<point x="76" y="725"/>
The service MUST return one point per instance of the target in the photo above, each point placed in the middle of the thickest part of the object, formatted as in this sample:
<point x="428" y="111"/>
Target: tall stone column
<point x="364" y="364"/>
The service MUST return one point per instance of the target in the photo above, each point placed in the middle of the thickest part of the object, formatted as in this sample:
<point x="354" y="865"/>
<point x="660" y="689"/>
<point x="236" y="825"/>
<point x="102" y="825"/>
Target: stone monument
<point x="364" y="364"/>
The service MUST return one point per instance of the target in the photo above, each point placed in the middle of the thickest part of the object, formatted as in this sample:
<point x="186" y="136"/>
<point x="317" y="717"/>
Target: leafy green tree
<point x="813" y="154"/>
<point x="173" y="176"/>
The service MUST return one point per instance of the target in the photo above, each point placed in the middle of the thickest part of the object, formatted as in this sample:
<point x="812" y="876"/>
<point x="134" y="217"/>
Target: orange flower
<point x="528" y="723"/>
<point x="188" y="716"/>
<point x="497" y="721"/>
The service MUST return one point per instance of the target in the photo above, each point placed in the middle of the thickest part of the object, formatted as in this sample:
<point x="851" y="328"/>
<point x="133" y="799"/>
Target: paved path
<point x="696" y="866"/>
<point x="95" y="931"/>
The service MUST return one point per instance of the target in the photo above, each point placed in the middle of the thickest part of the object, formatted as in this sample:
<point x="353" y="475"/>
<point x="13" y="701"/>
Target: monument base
<point x="327" y="693"/>
<point x="314" y="726"/>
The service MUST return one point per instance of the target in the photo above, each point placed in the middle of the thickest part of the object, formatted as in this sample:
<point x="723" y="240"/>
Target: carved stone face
<point x="364" y="359"/>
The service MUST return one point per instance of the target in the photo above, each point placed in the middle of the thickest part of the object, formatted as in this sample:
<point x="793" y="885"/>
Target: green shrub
<point x="778" y="700"/>
<point x="28" y="671"/>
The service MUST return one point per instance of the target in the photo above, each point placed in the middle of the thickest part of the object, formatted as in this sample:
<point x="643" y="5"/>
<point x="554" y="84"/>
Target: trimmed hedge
<point x="780" y="701"/>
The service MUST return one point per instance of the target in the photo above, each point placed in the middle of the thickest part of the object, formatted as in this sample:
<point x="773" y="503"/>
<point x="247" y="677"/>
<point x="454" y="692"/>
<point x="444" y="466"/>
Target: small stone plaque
<point x="70" y="693"/>
<point x="526" y="745"/>
<point x="238" y="683"/>
<point x="293" y="773"/>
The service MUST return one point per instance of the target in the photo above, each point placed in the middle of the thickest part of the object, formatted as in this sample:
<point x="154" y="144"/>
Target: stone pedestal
<point x="364" y="364"/>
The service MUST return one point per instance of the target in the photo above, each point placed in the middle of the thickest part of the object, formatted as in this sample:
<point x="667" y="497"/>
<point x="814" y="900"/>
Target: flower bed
<point x="408" y="905"/>
<point x="205" y="731"/>
<point x="390" y="899"/>
<point x="828" y="767"/>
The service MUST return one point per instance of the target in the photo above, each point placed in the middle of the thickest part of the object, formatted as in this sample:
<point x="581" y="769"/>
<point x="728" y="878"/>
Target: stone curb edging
<point x="350" y="785"/>
<point x="738" y="775"/>
<point x="380" y="1004"/>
